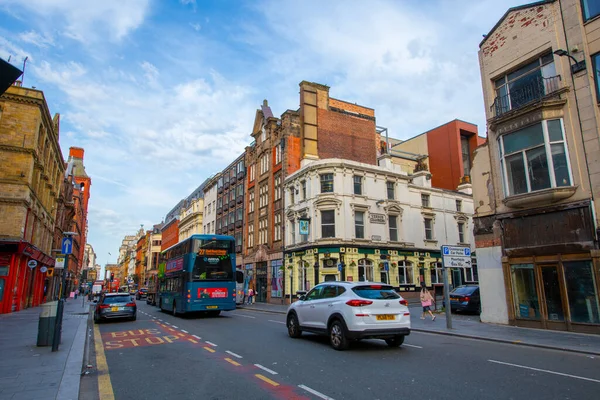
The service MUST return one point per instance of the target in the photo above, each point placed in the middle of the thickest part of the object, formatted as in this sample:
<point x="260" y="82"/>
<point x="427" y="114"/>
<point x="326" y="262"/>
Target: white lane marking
<point x="233" y="354"/>
<point x="211" y="343"/>
<point x="245" y="316"/>
<point x="546" y="371"/>
<point x="153" y="317"/>
<point x="167" y="323"/>
<point x="176" y="327"/>
<point x="197" y="337"/>
<point x="160" y="320"/>
<point x="266" y="369"/>
<point x="412" y="345"/>
<point x="277" y="322"/>
<point x="313" y="391"/>
<point x="184" y="331"/>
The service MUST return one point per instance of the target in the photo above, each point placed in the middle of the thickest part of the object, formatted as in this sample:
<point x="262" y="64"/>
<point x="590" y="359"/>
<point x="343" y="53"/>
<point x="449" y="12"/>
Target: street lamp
<point x="578" y="66"/>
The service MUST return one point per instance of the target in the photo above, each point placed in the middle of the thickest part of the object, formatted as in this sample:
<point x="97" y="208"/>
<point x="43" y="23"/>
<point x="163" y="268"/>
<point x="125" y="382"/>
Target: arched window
<point x="365" y="270"/>
<point x="82" y="187"/>
<point x="405" y="273"/>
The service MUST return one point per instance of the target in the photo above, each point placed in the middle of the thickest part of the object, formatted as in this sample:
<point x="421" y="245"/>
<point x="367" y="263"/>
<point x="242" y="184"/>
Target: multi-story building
<point x="209" y="219"/>
<point x="126" y="260"/>
<point x="537" y="180"/>
<point x="191" y="214"/>
<point x="31" y="175"/>
<point x="230" y="205"/>
<point x="153" y="255"/>
<point x="88" y="265"/>
<point x="170" y="228"/>
<point x="141" y="260"/>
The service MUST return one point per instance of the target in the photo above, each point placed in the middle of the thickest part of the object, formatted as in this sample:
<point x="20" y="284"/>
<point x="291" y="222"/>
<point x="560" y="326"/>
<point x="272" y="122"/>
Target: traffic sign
<point x="339" y="267"/>
<point x="50" y="271"/>
<point x="32" y="264"/>
<point x="59" y="263"/>
<point x="67" y="245"/>
<point x="43" y="269"/>
<point x="456" y="256"/>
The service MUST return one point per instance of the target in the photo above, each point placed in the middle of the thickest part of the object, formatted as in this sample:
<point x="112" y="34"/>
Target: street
<point x="248" y="354"/>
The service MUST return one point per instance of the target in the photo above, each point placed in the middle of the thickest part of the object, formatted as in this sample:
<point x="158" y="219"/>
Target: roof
<point x="517" y="8"/>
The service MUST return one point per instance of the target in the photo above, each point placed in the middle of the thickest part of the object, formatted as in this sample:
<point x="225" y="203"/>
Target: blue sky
<point x="162" y="93"/>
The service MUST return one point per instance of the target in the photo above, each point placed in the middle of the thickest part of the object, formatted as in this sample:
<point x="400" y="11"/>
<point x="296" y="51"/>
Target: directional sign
<point x="32" y="264"/>
<point x="67" y="245"/>
<point x="59" y="263"/>
<point x="456" y="256"/>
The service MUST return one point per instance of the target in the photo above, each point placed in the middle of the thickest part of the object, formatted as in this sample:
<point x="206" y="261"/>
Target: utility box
<point x="46" y="323"/>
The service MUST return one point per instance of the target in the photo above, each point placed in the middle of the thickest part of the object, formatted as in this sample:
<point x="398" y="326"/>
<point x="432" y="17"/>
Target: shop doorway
<point x="553" y="297"/>
<point x="261" y="282"/>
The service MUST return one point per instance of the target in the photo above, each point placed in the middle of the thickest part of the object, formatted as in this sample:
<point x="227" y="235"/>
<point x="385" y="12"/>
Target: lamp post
<point x="66" y="249"/>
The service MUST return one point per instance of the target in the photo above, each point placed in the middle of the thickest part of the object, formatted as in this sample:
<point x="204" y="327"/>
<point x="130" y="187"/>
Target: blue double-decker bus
<point x="199" y="276"/>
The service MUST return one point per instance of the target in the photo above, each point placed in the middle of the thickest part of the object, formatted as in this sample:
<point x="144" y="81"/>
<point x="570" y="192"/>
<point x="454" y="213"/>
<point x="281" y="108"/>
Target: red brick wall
<point x="293" y="151"/>
<point x="347" y="137"/>
<point x="170" y="235"/>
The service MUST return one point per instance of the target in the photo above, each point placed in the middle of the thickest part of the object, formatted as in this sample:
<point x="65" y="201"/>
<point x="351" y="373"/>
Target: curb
<point x="482" y="338"/>
<point x="69" y="384"/>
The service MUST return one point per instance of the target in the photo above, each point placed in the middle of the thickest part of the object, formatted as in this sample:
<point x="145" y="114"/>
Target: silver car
<point x="114" y="306"/>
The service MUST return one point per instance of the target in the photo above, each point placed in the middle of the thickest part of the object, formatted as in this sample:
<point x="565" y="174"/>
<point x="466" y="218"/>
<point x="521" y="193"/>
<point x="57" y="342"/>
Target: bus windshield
<point x="213" y="260"/>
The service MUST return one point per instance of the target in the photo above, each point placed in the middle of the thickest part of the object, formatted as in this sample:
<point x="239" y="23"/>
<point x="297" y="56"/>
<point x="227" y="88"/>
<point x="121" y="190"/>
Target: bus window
<point x="212" y="268"/>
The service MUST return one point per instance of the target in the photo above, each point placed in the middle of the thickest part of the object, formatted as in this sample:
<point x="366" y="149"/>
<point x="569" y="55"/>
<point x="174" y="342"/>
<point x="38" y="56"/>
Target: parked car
<point x="115" y="305"/>
<point x="141" y="294"/>
<point x="347" y="311"/>
<point x="465" y="298"/>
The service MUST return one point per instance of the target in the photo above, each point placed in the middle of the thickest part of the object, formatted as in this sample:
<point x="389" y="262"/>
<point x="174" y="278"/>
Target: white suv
<point x="348" y="311"/>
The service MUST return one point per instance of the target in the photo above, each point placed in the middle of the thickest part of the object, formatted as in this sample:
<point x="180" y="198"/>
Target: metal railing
<point x="538" y="88"/>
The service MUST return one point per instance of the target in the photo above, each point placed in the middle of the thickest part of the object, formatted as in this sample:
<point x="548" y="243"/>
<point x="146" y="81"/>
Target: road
<point x="247" y="354"/>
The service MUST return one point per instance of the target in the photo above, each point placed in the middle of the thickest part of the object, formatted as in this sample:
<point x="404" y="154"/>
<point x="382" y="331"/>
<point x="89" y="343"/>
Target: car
<point x="350" y="311"/>
<point x="465" y="298"/>
<point x="141" y="294"/>
<point x="115" y="306"/>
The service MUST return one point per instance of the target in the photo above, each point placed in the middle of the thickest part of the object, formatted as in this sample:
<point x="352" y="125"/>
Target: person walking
<point x="250" y="295"/>
<point x="426" y="300"/>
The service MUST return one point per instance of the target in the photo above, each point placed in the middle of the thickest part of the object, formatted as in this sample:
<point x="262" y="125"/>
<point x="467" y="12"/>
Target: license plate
<point x="114" y="309"/>
<point x="386" y="317"/>
<point x="212" y="306"/>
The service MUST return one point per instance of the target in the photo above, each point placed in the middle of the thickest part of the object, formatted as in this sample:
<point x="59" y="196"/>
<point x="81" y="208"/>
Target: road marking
<point x="211" y="343"/>
<point x="176" y="327"/>
<point x="105" y="389"/>
<point x="277" y="322"/>
<point x="412" y="345"/>
<point x="233" y="354"/>
<point x="209" y="349"/>
<point x="245" y="316"/>
<point x="193" y="341"/>
<point x="546" y="371"/>
<point x="230" y="361"/>
<point x="184" y="331"/>
<point x="168" y="323"/>
<point x="266" y="369"/>
<point x="197" y="337"/>
<point x="181" y="334"/>
<point x="265" y="379"/>
<point x="160" y="320"/>
<point x="313" y="391"/>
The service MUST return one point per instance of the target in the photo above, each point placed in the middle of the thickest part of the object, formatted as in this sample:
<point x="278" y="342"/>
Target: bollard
<point x="46" y="323"/>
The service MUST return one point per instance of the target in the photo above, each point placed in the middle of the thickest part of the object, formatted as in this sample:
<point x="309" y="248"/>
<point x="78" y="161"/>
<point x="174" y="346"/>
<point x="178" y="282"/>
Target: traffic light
<point x="112" y="276"/>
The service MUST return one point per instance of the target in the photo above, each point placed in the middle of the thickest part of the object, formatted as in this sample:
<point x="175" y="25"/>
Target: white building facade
<point x="210" y="205"/>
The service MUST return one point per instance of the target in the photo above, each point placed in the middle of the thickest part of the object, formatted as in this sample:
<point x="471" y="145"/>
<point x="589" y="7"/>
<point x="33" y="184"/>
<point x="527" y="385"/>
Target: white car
<point x="347" y="311"/>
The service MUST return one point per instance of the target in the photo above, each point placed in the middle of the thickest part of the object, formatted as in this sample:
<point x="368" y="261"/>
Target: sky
<point x="162" y="94"/>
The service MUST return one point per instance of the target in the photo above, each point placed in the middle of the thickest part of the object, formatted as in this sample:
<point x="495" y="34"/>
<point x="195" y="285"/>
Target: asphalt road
<point x="247" y="354"/>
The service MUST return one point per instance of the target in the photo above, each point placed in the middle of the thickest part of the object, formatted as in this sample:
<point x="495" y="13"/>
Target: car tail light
<point x="103" y="306"/>
<point x="358" y="303"/>
<point x="467" y="298"/>
<point x="362" y="315"/>
<point x="130" y="305"/>
<point x="407" y="313"/>
<point x="375" y="287"/>
<point x="404" y="302"/>
<point x="189" y="296"/>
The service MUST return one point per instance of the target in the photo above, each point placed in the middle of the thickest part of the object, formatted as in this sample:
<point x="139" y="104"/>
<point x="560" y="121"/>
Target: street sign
<point x="67" y="245"/>
<point x="43" y="269"/>
<point x="340" y="267"/>
<point x="32" y="264"/>
<point x="59" y="263"/>
<point x="50" y="271"/>
<point x="456" y="256"/>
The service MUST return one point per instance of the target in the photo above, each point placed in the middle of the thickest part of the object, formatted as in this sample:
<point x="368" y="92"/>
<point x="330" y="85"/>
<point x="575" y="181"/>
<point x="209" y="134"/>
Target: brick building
<point x="31" y="175"/>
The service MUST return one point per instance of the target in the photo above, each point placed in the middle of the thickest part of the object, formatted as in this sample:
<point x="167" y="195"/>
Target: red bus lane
<point x="164" y="334"/>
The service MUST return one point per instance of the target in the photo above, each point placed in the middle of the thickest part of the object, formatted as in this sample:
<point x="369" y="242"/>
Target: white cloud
<point x="196" y="26"/>
<point x="36" y="39"/>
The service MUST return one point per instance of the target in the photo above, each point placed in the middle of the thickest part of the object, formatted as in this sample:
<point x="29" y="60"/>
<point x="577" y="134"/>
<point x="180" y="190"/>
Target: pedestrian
<point x="76" y="292"/>
<point x="426" y="300"/>
<point x="250" y="295"/>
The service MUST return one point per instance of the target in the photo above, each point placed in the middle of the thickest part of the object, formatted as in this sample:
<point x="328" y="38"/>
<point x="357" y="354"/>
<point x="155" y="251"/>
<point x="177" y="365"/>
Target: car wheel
<point x="134" y="317"/>
<point x="96" y="320"/>
<point x="337" y="336"/>
<point x="293" y="326"/>
<point x="396" y="341"/>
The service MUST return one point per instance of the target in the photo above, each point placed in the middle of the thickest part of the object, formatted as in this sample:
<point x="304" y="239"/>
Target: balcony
<point x="240" y="199"/>
<point x="536" y="89"/>
<point x="233" y="179"/>
<point x="240" y="175"/>
<point x="238" y="224"/>
<point x="219" y="210"/>
<point x="231" y="226"/>
<point x="225" y="206"/>
<point x="226" y="185"/>
<point x="220" y="190"/>
<point x="232" y="203"/>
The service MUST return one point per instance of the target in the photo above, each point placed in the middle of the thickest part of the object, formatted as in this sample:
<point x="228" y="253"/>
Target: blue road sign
<point x="467" y="251"/>
<point x="340" y="267"/>
<point x="446" y="250"/>
<point x="67" y="245"/>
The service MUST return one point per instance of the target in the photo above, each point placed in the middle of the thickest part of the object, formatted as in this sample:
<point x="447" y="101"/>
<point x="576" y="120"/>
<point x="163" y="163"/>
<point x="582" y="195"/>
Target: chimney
<point x="76" y="152"/>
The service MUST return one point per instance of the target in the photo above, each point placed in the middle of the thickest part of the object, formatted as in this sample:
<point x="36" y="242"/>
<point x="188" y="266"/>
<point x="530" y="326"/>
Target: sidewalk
<point x="31" y="372"/>
<point x="472" y="328"/>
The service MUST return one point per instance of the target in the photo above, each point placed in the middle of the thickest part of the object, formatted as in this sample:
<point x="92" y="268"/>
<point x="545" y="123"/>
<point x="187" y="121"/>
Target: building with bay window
<point x="347" y="220"/>
<point x="537" y="180"/>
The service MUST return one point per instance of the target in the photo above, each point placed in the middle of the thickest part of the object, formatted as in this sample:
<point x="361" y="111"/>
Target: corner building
<point x="537" y="180"/>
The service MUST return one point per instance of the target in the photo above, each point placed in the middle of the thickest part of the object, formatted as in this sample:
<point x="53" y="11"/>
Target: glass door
<point x="553" y="296"/>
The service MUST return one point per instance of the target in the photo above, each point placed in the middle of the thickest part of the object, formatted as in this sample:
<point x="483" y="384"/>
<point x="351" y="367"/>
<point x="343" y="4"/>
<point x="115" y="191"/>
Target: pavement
<point x="31" y="372"/>
<point x="472" y="328"/>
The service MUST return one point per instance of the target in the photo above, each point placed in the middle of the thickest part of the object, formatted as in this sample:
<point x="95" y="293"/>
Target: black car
<point x="141" y="294"/>
<point x="115" y="305"/>
<point x="465" y="298"/>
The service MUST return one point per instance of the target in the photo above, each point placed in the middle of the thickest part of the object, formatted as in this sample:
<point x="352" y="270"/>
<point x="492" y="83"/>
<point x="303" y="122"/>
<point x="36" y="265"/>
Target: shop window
<point x="525" y="293"/>
<point x="365" y="270"/>
<point x="436" y="272"/>
<point x="405" y="273"/>
<point x="581" y="289"/>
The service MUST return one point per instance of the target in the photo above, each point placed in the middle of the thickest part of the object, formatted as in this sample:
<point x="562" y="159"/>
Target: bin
<point x="46" y="323"/>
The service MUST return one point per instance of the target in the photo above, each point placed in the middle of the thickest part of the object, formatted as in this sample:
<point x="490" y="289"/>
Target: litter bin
<point x="46" y="323"/>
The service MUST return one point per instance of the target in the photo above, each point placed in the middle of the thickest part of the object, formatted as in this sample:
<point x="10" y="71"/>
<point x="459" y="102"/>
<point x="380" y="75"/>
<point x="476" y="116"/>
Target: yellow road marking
<point x="230" y="361"/>
<point x="105" y="389"/>
<point x="181" y="334"/>
<point x="208" y="349"/>
<point x="192" y="340"/>
<point x="265" y="379"/>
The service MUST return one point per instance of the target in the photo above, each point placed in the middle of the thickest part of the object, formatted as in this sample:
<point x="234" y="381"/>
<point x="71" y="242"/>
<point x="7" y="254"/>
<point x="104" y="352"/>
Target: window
<point x="471" y="274"/>
<point x="359" y="224"/>
<point x="390" y="190"/>
<point x="365" y="270"/>
<point x="263" y="134"/>
<point x="436" y="272"/>
<point x="303" y="185"/>
<point x="251" y="201"/>
<point x="534" y="158"/>
<point x="263" y="196"/>
<point x="458" y="205"/>
<point x="277" y="230"/>
<point x="220" y="183"/>
<point x="428" y="229"/>
<point x="252" y="172"/>
<point x="264" y="164"/>
<point x="328" y="224"/>
<point x="393" y="223"/>
<point x="466" y="155"/>
<point x="239" y="190"/>
<point x="218" y="223"/>
<point x="425" y="200"/>
<point x="292" y="199"/>
<point x="231" y="218"/>
<point x="240" y="167"/>
<point x="461" y="232"/>
<point x="528" y="83"/>
<point x="357" y="184"/>
<point x="405" y="273"/>
<point x="278" y="153"/>
<point x="232" y="194"/>
<point x="524" y="291"/>
<point x="277" y="186"/>
<point x="238" y="239"/>
<point x="591" y="9"/>
<point x="250" y="236"/>
<point x="226" y="177"/>
<point x="596" y="66"/>
<point x="327" y="183"/>
<point x="581" y="290"/>
<point x="262" y="231"/>
<point x="292" y="232"/>
<point x="239" y="214"/>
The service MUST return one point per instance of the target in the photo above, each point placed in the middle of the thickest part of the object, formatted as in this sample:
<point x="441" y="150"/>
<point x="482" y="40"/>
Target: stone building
<point x="191" y="214"/>
<point x="537" y="180"/>
<point x="153" y="255"/>
<point x="210" y="204"/>
<point x="31" y="176"/>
